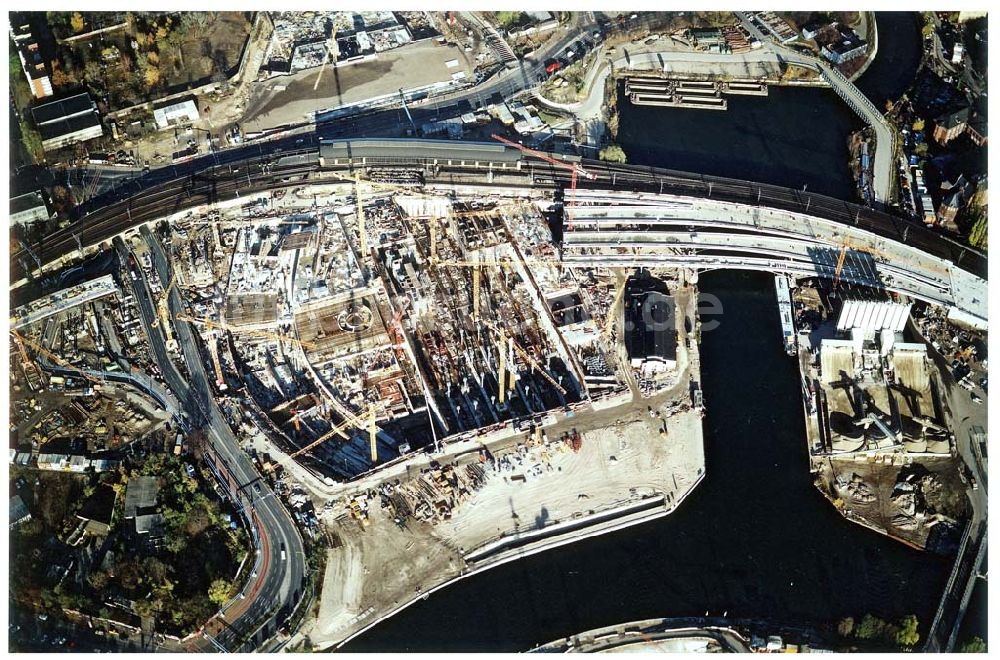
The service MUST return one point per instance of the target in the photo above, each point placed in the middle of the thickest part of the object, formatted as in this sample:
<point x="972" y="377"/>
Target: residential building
<point x="28" y="208"/>
<point x="950" y="205"/>
<point x="845" y="46"/>
<point x="976" y="129"/>
<point x="707" y="38"/>
<point x="175" y="114"/>
<point x="35" y="60"/>
<point x="19" y="513"/>
<point x="949" y="126"/>
<point x="956" y="55"/>
<point x="63" y="462"/>
<point x="953" y="198"/>
<point x="141" y="498"/>
<point x="812" y="28"/>
<point x="67" y="121"/>
<point x="927" y="205"/>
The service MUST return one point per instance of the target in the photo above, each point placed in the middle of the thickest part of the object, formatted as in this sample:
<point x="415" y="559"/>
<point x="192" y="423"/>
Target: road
<point x="951" y="610"/>
<point x="277" y="587"/>
<point x="646" y="635"/>
<point x="593" y="106"/>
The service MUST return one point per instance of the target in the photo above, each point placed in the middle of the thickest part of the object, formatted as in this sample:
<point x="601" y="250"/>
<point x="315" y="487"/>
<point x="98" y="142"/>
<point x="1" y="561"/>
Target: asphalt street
<point x="277" y="586"/>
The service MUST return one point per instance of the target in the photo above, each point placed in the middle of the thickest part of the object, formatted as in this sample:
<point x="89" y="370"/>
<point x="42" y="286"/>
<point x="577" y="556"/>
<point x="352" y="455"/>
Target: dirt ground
<point x="614" y="464"/>
<point x="946" y="500"/>
<point x="380" y="566"/>
<point x="220" y="43"/>
<point x="289" y="99"/>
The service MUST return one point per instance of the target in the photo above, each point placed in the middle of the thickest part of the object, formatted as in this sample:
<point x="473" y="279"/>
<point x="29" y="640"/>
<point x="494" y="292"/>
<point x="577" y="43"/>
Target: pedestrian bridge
<point x="885" y="134"/>
<point x="631" y="229"/>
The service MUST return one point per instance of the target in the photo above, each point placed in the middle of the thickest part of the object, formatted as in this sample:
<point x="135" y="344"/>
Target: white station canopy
<point x="870" y="316"/>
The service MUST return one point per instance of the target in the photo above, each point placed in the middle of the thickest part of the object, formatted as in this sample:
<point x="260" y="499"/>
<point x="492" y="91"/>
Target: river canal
<point x="755" y="539"/>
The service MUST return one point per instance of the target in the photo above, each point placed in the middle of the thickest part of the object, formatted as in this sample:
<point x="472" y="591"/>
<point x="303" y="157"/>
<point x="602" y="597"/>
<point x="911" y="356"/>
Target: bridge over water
<point x="616" y="228"/>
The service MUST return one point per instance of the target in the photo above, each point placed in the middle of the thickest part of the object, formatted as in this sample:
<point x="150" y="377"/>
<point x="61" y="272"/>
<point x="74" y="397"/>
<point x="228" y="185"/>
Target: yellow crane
<point x="52" y="356"/>
<point x="27" y="364"/>
<point x="372" y="434"/>
<point x="340" y="430"/>
<point x="363" y="231"/>
<point x="612" y="313"/>
<point x="840" y="266"/>
<point x="214" y="351"/>
<point x="163" y="315"/>
<point x="476" y="274"/>
<point x="529" y="359"/>
<point x="329" y="50"/>
<point x="502" y="370"/>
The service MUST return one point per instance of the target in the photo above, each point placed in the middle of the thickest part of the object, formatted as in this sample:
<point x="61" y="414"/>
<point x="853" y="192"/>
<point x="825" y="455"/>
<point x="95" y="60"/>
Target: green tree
<point x="218" y="592"/>
<point x="979" y="233"/>
<point x="612" y="153"/>
<point x="870" y="627"/>
<point x="508" y="19"/>
<point x="907" y="635"/>
<point x="98" y="580"/>
<point x="845" y="626"/>
<point x="974" y="645"/>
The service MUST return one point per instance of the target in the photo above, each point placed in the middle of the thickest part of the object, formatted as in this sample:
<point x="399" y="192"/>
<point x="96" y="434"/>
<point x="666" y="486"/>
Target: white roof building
<point x="176" y="113"/>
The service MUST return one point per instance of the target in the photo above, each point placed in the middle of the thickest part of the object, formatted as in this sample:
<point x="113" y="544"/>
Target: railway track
<point x="232" y="177"/>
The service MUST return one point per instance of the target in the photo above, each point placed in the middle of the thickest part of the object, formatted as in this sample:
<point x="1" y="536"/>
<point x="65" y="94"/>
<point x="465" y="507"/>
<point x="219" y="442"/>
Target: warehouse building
<point x="67" y="121"/>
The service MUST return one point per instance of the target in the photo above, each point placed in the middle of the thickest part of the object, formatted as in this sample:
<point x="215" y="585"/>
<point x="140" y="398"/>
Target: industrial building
<point x="176" y="113"/>
<point x="67" y="121"/>
<point x="874" y="390"/>
<point x="141" y="510"/>
<point x="32" y="52"/>
<point x="651" y="326"/>
<point x="28" y="208"/>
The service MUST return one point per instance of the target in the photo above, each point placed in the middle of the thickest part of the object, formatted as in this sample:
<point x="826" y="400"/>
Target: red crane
<point x="572" y="167"/>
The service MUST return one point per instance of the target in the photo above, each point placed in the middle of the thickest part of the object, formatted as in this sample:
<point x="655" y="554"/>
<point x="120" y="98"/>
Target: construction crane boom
<point x="52" y="356"/>
<point x="840" y="266"/>
<point x="612" y="313"/>
<point x="337" y="430"/>
<point x="573" y="168"/>
<point x="161" y="307"/>
<point x="543" y="156"/>
<point x="372" y="434"/>
<point x="212" y="325"/>
<point x="529" y="359"/>
<point x="362" y="229"/>
<point x="502" y="370"/>
<point x="476" y="274"/>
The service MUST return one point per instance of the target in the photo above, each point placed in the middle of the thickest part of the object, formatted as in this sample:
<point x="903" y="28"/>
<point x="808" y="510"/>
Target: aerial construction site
<point x="414" y="369"/>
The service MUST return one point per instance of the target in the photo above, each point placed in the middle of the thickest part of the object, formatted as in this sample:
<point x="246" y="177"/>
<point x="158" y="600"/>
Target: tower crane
<point x="161" y="307"/>
<point x="340" y="430"/>
<point x="612" y="313"/>
<point x="527" y="358"/>
<point x="18" y="337"/>
<point x="575" y="169"/>
<point x="27" y="364"/>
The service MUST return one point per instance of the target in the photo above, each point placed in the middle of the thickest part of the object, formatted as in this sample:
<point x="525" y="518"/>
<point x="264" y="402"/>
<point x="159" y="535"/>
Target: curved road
<point x="277" y="584"/>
